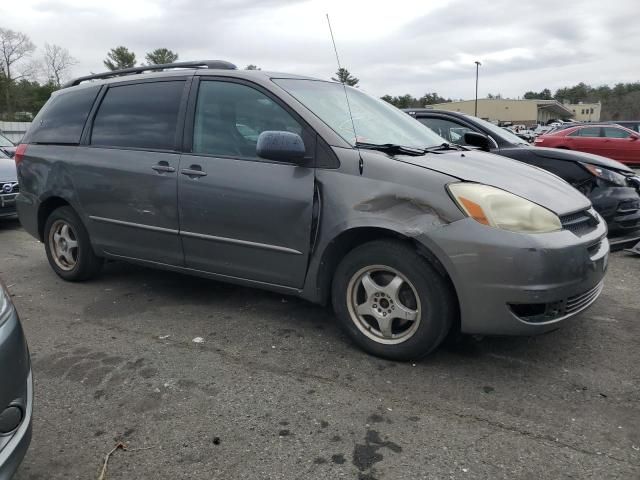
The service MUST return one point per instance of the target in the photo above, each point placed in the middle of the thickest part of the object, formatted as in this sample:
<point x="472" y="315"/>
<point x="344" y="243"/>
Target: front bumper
<point x="516" y="284"/>
<point x="619" y="206"/>
<point x="8" y="204"/>
<point x="16" y="391"/>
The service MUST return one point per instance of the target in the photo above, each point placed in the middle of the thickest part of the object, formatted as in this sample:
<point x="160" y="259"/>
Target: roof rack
<point x="213" y="64"/>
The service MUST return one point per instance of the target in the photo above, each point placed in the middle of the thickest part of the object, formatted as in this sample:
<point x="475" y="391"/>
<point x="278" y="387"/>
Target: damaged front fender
<point x="390" y="198"/>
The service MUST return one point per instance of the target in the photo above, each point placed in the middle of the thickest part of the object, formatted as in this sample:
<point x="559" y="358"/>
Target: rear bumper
<point x="16" y="391"/>
<point x="516" y="284"/>
<point x="27" y="208"/>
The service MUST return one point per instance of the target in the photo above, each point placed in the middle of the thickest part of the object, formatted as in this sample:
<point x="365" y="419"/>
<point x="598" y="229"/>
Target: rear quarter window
<point x="62" y="118"/>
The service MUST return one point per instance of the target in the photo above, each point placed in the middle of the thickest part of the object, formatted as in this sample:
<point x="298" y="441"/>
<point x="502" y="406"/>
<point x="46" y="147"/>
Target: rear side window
<point x="62" y="119"/>
<point x="144" y="115"/>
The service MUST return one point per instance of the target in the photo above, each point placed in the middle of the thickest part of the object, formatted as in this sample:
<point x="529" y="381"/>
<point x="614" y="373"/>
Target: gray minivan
<point x="277" y="181"/>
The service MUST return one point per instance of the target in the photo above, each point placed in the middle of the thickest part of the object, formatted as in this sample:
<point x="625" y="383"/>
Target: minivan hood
<point x="573" y="156"/>
<point x="532" y="183"/>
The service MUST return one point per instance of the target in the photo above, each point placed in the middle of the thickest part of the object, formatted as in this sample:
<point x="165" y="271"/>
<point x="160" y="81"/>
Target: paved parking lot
<point x="276" y="391"/>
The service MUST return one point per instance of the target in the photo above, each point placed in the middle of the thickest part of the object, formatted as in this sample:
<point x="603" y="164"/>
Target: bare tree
<point x="14" y="47"/>
<point x="57" y="61"/>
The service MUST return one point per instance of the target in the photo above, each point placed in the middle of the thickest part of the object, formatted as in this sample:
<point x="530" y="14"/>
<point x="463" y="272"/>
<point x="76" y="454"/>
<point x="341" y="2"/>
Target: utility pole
<point x="477" y="65"/>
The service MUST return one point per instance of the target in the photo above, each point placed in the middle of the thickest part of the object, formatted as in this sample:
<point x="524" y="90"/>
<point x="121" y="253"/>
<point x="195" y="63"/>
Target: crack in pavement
<point x="252" y="364"/>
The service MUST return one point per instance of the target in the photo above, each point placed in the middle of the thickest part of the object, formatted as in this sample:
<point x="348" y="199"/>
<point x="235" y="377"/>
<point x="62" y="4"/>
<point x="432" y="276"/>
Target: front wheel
<point x="68" y="246"/>
<point x="391" y="301"/>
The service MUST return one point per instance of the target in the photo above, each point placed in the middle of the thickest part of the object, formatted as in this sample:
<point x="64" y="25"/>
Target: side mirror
<point x="479" y="140"/>
<point x="280" y="146"/>
<point x="635" y="136"/>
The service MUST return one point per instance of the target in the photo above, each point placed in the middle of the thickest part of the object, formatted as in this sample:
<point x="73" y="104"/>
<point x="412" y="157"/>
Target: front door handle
<point x="163" y="167"/>
<point x="193" y="171"/>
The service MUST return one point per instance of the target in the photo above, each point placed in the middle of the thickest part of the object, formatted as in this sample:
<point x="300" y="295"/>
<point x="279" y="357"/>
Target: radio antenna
<point x="346" y="96"/>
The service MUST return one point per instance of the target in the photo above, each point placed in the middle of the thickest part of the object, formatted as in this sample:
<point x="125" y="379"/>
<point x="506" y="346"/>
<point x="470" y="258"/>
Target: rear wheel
<point x="68" y="246"/>
<point x="391" y="301"/>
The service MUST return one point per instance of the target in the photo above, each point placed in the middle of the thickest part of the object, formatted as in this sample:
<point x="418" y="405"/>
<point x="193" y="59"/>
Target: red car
<point x="611" y="141"/>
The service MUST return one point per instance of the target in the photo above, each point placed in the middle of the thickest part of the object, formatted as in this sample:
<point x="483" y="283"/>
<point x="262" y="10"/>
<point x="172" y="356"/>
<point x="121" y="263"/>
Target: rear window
<point x="62" y="119"/>
<point x="143" y="115"/>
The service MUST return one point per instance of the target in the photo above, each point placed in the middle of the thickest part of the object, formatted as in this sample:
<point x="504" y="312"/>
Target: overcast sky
<point x="393" y="46"/>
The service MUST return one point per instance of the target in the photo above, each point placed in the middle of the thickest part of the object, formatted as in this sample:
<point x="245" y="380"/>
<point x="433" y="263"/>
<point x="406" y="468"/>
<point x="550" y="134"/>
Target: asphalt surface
<point x="276" y="391"/>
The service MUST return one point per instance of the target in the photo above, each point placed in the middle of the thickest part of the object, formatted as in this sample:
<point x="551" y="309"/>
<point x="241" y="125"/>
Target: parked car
<point x="6" y="146"/>
<point x="540" y="129"/>
<point x="407" y="238"/>
<point x="16" y="389"/>
<point x="8" y="186"/>
<point x="612" y="141"/>
<point x="522" y="133"/>
<point x="611" y="186"/>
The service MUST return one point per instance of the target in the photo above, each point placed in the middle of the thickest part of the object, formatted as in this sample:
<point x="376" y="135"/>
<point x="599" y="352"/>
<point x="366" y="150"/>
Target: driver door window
<point x="586" y="132"/>
<point x="451" y="131"/>
<point x="230" y="117"/>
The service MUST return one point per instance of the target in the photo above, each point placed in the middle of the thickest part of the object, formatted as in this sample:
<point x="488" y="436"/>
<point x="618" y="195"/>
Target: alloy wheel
<point x="383" y="304"/>
<point x="63" y="244"/>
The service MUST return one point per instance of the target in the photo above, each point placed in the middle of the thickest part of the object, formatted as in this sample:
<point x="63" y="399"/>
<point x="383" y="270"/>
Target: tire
<point x="405" y="285"/>
<point x="68" y="246"/>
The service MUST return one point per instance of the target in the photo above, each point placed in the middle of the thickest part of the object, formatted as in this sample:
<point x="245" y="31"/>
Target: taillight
<point x="20" y="151"/>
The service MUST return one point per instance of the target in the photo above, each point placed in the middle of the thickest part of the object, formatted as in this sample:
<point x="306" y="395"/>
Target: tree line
<point x="620" y="102"/>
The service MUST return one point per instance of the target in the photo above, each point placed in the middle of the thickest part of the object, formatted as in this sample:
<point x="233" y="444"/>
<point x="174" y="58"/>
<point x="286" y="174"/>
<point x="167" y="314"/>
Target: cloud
<point x="405" y="46"/>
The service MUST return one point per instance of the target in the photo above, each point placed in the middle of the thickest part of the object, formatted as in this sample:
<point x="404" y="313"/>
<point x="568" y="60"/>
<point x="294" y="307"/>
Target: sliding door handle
<point x="163" y="167"/>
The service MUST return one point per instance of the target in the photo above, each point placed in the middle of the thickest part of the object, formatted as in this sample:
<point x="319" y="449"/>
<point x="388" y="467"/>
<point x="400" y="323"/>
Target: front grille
<point x="548" y="312"/>
<point x="9" y="188"/>
<point x="628" y="206"/>
<point x="579" y="223"/>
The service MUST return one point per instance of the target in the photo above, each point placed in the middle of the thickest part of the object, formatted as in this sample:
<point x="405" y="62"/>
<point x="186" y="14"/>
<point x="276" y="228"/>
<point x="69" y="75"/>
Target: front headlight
<point x="606" y="174"/>
<point x="5" y="304"/>
<point x="497" y="208"/>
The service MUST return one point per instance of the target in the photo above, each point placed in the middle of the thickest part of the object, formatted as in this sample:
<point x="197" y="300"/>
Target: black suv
<point x="630" y="124"/>
<point x="611" y="186"/>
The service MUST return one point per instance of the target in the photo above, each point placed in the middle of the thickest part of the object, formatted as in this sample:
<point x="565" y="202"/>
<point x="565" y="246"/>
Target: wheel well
<point x="48" y="206"/>
<point x="348" y="240"/>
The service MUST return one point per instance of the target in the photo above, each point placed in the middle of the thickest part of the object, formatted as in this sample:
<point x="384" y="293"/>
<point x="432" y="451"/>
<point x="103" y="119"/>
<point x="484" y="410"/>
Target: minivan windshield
<point x="375" y="121"/>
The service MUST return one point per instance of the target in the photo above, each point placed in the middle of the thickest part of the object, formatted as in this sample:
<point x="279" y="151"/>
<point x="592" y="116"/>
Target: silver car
<point x="16" y="389"/>
<point x="8" y="186"/>
<point x="309" y="188"/>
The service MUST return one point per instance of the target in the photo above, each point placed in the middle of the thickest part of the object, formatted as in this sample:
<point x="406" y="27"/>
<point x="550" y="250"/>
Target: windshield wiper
<point x="446" y="146"/>
<point x="392" y="148"/>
